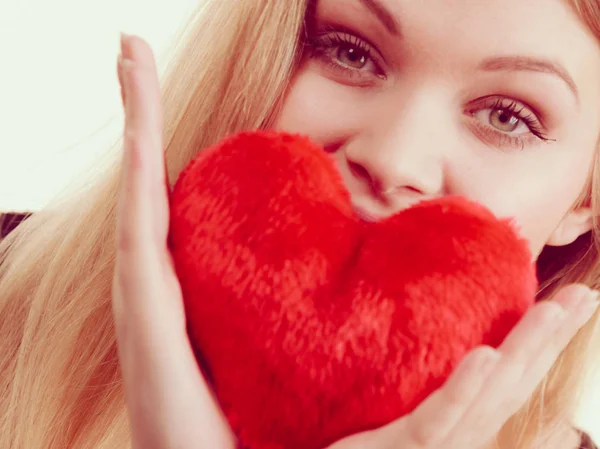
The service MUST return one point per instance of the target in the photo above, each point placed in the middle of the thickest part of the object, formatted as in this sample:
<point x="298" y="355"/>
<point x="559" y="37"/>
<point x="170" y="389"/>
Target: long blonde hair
<point x="60" y="385"/>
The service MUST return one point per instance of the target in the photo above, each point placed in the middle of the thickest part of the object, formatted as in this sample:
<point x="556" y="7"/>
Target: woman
<point x="495" y="100"/>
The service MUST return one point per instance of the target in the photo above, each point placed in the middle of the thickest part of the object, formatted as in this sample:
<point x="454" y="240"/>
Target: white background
<point x="59" y="98"/>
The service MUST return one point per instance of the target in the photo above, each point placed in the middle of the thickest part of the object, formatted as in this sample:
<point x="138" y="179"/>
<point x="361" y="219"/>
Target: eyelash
<point x="515" y="109"/>
<point x="322" y="44"/>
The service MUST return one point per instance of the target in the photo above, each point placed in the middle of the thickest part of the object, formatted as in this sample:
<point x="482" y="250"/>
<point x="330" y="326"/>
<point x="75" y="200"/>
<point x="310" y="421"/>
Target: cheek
<point x="555" y="184"/>
<point x="537" y="223"/>
<point x="537" y="195"/>
<point x="319" y="108"/>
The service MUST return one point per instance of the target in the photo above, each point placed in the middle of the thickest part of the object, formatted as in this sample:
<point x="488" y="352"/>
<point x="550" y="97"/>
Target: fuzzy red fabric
<point x="313" y="324"/>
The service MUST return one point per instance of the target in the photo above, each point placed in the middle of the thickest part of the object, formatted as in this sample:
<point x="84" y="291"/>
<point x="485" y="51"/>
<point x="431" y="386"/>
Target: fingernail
<point x="124" y="38"/>
<point x="121" y="80"/>
<point x="125" y="68"/>
<point x="126" y="64"/>
<point x="126" y="47"/>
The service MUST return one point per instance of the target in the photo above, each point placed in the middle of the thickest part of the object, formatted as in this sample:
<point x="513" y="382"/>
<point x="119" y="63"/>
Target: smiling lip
<point x="366" y="216"/>
<point x="370" y="217"/>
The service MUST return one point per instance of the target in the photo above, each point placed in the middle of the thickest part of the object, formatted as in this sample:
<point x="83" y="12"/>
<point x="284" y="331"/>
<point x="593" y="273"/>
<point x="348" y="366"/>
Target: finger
<point x="145" y="181"/>
<point x="140" y="235"/>
<point x="469" y="408"/>
<point x="532" y="332"/>
<point x="120" y="77"/>
<point x="431" y="423"/>
<point x="548" y="325"/>
<point x="525" y="361"/>
<point x="579" y="304"/>
<point x="145" y="297"/>
<point x="130" y="47"/>
<point x="463" y="396"/>
<point x="143" y="86"/>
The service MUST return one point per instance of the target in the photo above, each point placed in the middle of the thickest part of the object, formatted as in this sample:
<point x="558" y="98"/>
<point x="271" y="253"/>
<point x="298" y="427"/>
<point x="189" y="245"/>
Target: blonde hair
<point x="59" y="374"/>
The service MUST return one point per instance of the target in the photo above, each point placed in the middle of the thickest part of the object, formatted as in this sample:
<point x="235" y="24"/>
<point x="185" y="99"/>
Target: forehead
<point x="499" y="24"/>
<point x="466" y="31"/>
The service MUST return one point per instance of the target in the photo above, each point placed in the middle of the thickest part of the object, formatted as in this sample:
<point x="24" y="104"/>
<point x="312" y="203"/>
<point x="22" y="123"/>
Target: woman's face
<point x="495" y="100"/>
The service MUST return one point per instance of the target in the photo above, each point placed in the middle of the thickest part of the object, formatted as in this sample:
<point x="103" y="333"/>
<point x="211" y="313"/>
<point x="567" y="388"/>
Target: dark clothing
<point x="8" y="222"/>
<point x="586" y="442"/>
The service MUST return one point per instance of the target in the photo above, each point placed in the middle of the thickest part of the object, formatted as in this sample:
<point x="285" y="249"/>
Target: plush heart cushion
<point x="314" y="324"/>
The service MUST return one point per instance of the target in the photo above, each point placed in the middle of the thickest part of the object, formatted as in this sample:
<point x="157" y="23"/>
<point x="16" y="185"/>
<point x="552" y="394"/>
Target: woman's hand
<point x="490" y="385"/>
<point x="170" y="404"/>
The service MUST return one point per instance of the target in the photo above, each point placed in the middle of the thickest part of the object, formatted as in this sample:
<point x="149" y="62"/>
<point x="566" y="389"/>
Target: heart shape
<point x="313" y="324"/>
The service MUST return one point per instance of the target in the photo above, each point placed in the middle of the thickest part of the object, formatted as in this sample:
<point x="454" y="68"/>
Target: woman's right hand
<point x="169" y="402"/>
<point x="490" y="385"/>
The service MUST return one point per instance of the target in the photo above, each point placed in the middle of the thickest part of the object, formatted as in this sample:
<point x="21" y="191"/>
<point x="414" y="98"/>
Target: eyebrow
<point x="529" y="64"/>
<point x="501" y="63"/>
<point x="384" y="16"/>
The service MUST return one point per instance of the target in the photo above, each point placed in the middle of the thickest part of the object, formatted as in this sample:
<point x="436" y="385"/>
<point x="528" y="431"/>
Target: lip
<point x="370" y="217"/>
<point x="366" y="216"/>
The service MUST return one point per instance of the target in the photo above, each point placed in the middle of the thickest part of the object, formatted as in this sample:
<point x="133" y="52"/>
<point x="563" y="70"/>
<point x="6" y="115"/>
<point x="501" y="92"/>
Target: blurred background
<point x="60" y="105"/>
<point x="59" y="97"/>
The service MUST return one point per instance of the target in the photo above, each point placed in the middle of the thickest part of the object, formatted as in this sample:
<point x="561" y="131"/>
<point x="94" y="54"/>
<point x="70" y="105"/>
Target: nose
<point x="403" y="150"/>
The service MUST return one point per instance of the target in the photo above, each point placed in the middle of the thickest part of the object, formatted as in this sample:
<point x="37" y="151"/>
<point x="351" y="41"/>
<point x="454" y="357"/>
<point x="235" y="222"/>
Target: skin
<point x="168" y="400"/>
<point x="412" y="115"/>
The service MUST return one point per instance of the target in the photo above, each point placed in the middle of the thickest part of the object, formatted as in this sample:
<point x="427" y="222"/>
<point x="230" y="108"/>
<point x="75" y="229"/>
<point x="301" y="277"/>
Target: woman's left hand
<point x="490" y="385"/>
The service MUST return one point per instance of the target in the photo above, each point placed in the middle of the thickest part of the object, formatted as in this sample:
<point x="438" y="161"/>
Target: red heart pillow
<point x="313" y="324"/>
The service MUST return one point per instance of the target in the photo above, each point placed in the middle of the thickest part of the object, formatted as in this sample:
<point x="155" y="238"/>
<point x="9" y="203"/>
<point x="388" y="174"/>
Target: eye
<point x="502" y="119"/>
<point x="509" y="117"/>
<point x="506" y="123"/>
<point x="350" y="58"/>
